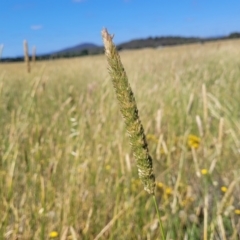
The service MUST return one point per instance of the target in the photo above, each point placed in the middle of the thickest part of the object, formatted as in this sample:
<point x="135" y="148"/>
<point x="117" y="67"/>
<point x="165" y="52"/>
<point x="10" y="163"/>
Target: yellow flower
<point x="53" y="234"/>
<point x="160" y="185"/>
<point x="237" y="211"/>
<point x="168" y="191"/>
<point x="152" y="137"/>
<point x="223" y="189"/>
<point x="164" y="191"/>
<point x="160" y="188"/>
<point x="193" y="141"/>
<point x="108" y="167"/>
<point x="204" y="171"/>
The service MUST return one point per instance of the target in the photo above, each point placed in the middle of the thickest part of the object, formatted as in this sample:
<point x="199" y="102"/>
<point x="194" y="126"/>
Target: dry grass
<point x="65" y="162"/>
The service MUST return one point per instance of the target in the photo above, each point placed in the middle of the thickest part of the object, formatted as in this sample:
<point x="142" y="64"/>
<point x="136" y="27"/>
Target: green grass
<point x="65" y="160"/>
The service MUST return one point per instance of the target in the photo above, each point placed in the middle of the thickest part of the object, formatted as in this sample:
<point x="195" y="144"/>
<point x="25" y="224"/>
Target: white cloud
<point x="36" y="27"/>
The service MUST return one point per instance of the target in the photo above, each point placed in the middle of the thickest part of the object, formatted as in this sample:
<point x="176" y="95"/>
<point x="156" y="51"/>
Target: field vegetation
<point x="66" y="167"/>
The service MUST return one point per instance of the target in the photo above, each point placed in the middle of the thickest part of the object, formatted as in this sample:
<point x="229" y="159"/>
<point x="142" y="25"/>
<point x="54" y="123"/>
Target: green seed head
<point x="128" y="108"/>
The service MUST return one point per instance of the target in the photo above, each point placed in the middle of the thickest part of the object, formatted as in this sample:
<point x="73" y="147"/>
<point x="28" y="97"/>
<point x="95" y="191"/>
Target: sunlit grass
<point x="66" y="166"/>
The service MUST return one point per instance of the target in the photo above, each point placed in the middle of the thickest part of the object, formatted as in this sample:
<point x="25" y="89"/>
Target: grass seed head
<point x="129" y="112"/>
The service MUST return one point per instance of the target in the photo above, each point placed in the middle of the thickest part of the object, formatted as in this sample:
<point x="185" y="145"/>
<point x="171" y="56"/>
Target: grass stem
<point x="159" y="218"/>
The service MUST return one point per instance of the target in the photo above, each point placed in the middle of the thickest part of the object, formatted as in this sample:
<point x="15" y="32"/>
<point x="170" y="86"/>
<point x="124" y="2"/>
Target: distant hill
<point x="79" y="47"/>
<point x="157" y="42"/>
<point x="78" y="50"/>
<point x="150" y="42"/>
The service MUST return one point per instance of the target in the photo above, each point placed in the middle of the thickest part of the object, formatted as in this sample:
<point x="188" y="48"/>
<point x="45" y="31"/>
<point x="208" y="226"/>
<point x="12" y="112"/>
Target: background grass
<point x="65" y="161"/>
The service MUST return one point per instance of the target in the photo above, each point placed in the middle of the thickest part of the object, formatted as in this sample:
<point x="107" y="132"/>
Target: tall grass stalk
<point x="205" y="105"/>
<point x="26" y="57"/>
<point x="129" y="112"/>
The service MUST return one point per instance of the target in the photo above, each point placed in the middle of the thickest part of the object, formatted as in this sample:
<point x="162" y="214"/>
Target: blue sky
<point x="53" y="25"/>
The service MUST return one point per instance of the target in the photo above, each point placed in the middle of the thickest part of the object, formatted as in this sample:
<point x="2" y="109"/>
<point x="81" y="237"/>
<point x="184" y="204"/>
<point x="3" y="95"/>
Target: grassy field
<point x="66" y="168"/>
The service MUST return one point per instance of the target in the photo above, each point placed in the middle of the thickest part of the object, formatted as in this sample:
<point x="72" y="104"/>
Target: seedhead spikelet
<point x="26" y="57"/>
<point x="128" y="108"/>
